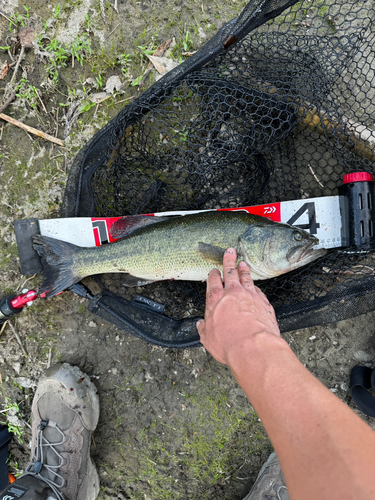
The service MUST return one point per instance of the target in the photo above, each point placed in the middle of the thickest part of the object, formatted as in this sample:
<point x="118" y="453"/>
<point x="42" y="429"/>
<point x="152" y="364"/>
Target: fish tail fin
<point x="57" y="260"/>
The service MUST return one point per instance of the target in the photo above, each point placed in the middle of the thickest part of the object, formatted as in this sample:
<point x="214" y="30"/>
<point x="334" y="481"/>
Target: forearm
<point x="326" y="451"/>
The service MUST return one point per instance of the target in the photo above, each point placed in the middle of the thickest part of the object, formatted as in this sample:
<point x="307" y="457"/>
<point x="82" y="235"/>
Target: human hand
<point x="234" y="314"/>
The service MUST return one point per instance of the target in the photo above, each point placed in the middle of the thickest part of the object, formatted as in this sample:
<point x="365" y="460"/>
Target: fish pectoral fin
<point x="211" y="252"/>
<point x="126" y="225"/>
<point x="130" y="280"/>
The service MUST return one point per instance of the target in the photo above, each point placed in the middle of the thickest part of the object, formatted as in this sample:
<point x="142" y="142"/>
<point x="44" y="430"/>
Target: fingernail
<point x="242" y="264"/>
<point x="199" y="322"/>
<point x="230" y="250"/>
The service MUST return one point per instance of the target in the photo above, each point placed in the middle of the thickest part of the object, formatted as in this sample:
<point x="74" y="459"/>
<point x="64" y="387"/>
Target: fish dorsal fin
<point x="211" y="252"/>
<point x="130" y="280"/>
<point x="126" y="225"/>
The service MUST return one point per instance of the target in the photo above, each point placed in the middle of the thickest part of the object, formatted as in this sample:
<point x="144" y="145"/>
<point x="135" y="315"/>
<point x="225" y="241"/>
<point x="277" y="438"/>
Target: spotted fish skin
<point x="182" y="248"/>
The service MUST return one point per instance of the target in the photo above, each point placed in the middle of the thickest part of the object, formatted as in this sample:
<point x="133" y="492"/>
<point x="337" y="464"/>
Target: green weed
<point x="86" y="106"/>
<point x="60" y="54"/>
<point x="27" y="91"/>
<point x="124" y="60"/>
<point x="136" y="81"/>
<point x="80" y="48"/>
<point x="146" y="51"/>
<point x="18" y="19"/>
<point x="188" y="42"/>
<point x="14" y="429"/>
<point x="56" y="11"/>
<point x="88" y="23"/>
<point x="99" y="81"/>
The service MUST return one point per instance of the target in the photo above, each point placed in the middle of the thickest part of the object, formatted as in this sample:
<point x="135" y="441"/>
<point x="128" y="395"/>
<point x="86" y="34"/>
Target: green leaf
<point x="136" y="81"/>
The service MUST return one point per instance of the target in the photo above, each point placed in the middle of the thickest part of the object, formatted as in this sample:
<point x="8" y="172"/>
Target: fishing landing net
<point x="277" y="106"/>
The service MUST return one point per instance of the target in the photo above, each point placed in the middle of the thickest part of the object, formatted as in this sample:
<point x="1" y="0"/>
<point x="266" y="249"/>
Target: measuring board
<point x="320" y="216"/>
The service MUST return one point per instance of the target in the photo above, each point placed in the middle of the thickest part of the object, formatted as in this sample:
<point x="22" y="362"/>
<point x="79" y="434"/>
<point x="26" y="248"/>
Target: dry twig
<point x="6" y="17"/>
<point x="127" y="99"/>
<point x="32" y="130"/>
<point x="49" y="357"/>
<point x="3" y="327"/>
<point x="42" y="103"/>
<point x="315" y="177"/>
<point x="57" y="122"/>
<point x="115" y="28"/>
<point x="18" y="338"/>
<point x="53" y="118"/>
<point x="103" y="11"/>
<point x="20" y="287"/>
<point x="7" y="102"/>
<point x="26" y="36"/>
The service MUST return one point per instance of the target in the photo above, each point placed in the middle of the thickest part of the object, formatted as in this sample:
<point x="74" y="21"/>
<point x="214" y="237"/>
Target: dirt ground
<point x="174" y="423"/>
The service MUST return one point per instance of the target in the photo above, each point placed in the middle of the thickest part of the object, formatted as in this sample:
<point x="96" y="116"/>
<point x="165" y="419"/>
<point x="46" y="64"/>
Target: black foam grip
<point x="25" y="230"/>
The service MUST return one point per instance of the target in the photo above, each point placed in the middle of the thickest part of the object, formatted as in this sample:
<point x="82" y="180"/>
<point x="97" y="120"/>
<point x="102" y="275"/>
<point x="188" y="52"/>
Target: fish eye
<point x="297" y="236"/>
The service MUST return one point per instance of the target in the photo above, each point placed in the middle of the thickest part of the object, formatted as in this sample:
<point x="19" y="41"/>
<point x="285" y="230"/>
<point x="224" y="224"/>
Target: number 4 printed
<point x="312" y="226"/>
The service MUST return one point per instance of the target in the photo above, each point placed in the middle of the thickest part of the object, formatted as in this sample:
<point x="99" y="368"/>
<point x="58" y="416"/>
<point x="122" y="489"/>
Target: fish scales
<point x="182" y="248"/>
<point x="168" y="249"/>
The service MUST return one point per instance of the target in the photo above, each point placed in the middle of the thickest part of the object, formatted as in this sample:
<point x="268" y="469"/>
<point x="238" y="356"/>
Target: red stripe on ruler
<point x="271" y="211"/>
<point x="95" y="230"/>
<point x="108" y="221"/>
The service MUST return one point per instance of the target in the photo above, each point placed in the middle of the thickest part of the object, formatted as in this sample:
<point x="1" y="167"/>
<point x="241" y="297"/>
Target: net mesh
<point x="278" y="105"/>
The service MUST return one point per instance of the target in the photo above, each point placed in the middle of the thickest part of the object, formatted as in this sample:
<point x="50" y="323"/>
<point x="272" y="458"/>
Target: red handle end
<point x="21" y="300"/>
<point x="357" y="177"/>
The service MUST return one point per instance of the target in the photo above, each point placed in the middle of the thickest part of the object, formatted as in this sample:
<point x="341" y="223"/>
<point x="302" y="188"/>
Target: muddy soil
<point x="174" y="423"/>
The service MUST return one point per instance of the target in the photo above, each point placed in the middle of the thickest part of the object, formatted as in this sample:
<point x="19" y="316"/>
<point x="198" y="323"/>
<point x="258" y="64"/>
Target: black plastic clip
<point x="43" y="424"/>
<point x="81" y="291"/>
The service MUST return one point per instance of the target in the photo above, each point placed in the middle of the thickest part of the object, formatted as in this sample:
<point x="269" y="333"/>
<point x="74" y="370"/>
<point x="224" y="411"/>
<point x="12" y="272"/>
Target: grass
<point x="10" y="408"/>
<point x="79" y="49"/>
<point x="25" y="90"/>
<point x="19" y="19"/>
<point x="210" y="446"/>
<point x="206" y="453"/>
<point x="58" y="57"/>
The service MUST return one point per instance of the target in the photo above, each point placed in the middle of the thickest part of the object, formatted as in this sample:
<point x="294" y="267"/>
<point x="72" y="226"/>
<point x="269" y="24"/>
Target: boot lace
<point x="39" y="463"/>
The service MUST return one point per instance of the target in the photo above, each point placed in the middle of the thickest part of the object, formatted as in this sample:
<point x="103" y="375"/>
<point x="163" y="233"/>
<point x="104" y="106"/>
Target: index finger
<point x="230" y="273"/>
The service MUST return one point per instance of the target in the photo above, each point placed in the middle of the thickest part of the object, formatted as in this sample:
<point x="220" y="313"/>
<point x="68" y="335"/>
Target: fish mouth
<point x="308" y="251"/>
<point x="311" y="254"/>
<point x="302" y="253"/>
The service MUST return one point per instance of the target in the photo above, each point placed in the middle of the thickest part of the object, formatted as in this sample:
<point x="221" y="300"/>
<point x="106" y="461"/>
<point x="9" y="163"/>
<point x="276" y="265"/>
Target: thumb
<point x="201" y="326"/>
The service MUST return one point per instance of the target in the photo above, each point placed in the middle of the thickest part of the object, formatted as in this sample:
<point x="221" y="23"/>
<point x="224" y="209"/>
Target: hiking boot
<point x="65" y="412"/>
<point x="270" y="483"/>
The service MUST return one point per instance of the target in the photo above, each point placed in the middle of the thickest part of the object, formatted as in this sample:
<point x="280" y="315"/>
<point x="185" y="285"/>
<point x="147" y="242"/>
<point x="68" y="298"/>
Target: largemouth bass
<point x="180" y="248"/>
